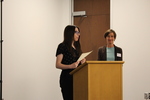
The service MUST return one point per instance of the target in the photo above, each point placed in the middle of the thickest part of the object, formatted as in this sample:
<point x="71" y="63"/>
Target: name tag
<point x="118" y="54"/>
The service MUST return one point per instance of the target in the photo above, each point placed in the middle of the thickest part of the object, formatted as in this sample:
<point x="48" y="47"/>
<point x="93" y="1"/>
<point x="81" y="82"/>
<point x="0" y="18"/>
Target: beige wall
<point x="131" y="21"/>
<point x="32" y="30"/>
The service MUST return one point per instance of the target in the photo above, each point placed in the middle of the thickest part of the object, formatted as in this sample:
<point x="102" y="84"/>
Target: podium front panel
<point x="105" y="82"/>
<point x="98" y="80"/>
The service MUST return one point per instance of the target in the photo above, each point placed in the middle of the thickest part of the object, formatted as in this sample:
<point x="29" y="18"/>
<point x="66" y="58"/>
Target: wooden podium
<point x="98" y="80"/>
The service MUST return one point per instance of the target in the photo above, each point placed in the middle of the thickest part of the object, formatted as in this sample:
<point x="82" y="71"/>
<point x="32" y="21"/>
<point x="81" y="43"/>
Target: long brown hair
<point x="69" y="37"/>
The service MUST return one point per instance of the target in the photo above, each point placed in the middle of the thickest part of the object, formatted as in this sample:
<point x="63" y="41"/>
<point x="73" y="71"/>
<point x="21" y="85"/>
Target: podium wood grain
<point x="98" y="80"/>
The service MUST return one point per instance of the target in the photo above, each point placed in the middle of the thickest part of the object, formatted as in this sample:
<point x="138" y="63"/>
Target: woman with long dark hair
<point x="67" y="55"/>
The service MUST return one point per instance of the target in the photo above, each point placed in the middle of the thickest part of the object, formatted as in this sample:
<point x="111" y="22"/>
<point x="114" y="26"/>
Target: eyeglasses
<point x="77" y="32"/>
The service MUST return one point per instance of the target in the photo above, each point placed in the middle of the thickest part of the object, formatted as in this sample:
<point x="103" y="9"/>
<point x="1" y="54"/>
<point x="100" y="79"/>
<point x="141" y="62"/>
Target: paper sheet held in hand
<point x="83" y="55"/>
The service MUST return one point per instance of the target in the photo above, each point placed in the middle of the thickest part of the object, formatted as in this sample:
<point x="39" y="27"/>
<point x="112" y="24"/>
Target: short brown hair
<point x="110" y="31"/>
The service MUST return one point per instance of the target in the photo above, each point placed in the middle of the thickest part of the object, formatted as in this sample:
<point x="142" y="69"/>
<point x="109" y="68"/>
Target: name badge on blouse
<point x="118" y="54"/>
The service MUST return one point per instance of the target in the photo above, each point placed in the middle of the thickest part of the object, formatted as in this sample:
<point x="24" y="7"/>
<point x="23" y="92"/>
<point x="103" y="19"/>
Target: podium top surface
<point x="104" y="62"/>
<point x="96" y="62"/>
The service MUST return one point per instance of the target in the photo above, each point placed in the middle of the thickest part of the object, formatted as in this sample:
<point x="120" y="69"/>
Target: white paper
<point x="83" y="55"/>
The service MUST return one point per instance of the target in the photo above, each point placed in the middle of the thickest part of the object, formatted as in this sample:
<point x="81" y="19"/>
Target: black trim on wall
<point x="1" y="55"/>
